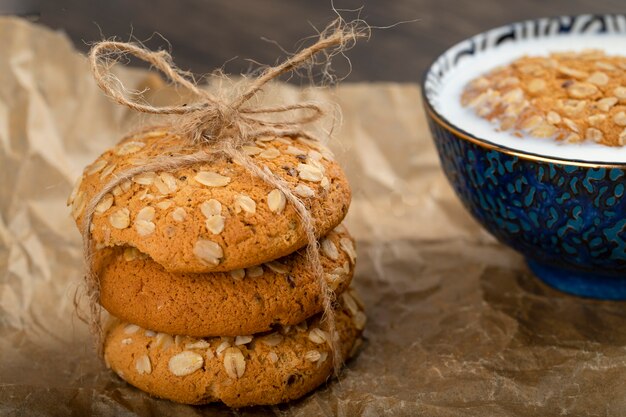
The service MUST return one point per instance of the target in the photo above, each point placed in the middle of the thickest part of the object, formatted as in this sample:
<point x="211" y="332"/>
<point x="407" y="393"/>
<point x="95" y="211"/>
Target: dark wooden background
<point x="206" y="34"/>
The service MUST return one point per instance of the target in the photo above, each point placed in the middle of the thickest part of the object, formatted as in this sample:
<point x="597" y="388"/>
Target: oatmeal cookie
<point x="267" y="368"/>
<point x="212" y="216"/>
<point x="138" y="290"/>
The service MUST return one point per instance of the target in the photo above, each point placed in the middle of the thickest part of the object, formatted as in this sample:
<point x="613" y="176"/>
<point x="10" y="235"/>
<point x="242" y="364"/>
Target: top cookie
<point x="211" y="216"/>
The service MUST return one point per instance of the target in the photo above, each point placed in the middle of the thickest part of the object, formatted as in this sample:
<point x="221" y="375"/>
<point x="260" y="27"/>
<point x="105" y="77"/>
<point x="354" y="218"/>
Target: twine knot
<point x="219" y="122"/>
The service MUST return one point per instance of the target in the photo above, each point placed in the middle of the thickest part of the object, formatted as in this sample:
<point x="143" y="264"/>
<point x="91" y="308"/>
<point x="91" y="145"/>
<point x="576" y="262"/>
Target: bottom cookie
<point x="263" y="369"/>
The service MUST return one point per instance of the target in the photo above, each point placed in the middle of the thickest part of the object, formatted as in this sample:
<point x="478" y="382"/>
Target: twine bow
<point x="212" y="126"/>
<point x="215" y="120"/>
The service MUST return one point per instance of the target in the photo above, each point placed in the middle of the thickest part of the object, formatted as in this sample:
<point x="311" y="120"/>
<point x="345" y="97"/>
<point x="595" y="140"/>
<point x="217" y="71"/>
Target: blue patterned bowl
<point x="567" y="217"/>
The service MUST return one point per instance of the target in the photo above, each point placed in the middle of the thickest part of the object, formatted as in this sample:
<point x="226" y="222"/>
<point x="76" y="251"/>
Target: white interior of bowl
<point x="453" y="70"/>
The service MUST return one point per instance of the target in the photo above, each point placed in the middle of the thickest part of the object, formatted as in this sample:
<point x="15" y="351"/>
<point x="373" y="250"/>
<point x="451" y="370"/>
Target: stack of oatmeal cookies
<point x="205" y="271"/>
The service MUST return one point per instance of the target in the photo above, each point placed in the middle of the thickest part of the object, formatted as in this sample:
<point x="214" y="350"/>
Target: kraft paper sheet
<point x="457" y="324"/>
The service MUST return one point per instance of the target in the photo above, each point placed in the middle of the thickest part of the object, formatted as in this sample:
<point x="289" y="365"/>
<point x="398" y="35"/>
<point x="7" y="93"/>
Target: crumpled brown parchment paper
<point x="457" y="325"/>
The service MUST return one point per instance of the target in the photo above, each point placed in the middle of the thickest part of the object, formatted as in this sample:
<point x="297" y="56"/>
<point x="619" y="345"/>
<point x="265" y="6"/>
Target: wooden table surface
<point x="206" y="34"/>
